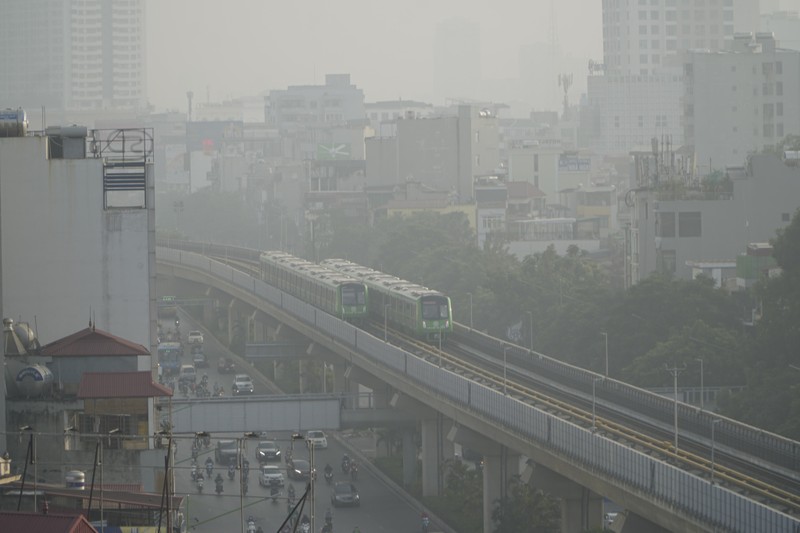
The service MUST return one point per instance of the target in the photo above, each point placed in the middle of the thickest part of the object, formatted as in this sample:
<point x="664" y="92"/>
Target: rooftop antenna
<point x="189" y="96"/>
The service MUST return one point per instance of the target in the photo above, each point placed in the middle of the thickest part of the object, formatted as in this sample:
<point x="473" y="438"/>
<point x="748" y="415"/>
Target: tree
<point x="526" y="510"/>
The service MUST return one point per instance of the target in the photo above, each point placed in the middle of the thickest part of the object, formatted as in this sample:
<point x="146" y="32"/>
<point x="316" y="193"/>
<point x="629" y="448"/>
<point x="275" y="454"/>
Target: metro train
<point x="417" y="310"/>
<point x="335" y="293"/>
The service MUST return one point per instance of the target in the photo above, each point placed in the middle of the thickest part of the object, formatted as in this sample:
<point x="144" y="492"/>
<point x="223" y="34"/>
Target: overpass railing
<point x="680" y="491"/>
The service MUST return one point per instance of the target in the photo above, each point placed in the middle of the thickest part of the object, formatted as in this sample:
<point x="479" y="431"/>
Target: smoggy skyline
<point x="223" y="50"/>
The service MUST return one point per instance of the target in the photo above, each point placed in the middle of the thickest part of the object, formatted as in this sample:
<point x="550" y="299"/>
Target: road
<point x="381" y="510"/>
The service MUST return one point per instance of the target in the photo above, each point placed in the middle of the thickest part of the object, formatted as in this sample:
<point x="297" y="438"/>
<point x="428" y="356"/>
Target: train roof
<point x="303" y="267"/>
<point x="381" y="281"/>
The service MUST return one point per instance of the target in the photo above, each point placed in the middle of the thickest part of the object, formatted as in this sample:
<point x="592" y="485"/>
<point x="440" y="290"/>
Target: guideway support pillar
<point x="500" y="465"/>
<point x="433" y="443"/>
<point x="581" y="509"/>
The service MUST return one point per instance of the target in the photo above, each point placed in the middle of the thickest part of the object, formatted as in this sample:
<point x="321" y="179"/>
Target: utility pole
<point x="675" y="371"/>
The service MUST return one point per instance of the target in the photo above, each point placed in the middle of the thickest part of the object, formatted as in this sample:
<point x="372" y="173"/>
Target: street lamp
<point x="385" y="315"/>
<point x="594" y="402"/>
<point x="713" y="446"/>
<point x="311" y="474"/>
<point x="505" y="380"/>
<point x="675" y="371"/>
<point x="702" y="389"/>
<point x="110" y="432"/>
<point x="30" y="458"/>
<point x="604" y="334"/>
<point x="530" y="317"/>
<point x="470" y="310"/>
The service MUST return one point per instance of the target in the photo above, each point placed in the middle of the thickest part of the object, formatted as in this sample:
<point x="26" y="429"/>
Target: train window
<point x="434" y="309"/>
<point x="351" y="295"/>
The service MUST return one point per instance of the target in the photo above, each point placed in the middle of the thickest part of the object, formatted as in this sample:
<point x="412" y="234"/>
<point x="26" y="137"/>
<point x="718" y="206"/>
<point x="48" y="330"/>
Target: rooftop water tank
<point x="75" y="479"/>
<point x="13" y="123"/>
<point x="34" y="381"/>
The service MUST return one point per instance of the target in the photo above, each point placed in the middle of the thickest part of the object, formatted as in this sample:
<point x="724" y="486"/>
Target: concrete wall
<point x="62" y="254"/>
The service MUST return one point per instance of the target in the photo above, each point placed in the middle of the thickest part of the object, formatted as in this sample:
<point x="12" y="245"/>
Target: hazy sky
<point x="232" y="48"/>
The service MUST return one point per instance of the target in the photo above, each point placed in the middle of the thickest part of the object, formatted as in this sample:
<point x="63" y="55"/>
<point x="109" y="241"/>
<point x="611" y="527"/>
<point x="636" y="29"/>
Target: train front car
<point x="352" y="300"/>
<point x="435" y="312"/>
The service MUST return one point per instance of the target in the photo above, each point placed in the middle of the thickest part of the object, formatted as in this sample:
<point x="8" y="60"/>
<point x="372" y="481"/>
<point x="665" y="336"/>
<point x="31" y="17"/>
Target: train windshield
<point x="353" y="295"/>
<point x="435" y="307"/>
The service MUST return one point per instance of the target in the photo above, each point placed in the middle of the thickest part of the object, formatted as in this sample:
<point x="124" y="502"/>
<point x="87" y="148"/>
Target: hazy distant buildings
<point x="785" y="25"/>
<point x="301" y="107"/>
<point x="446" y="153"/>
<point x="83" y="55"/>
<point x="637" y="97"/>
<point x="740" y="101"/>
<point x="457" y="60"/>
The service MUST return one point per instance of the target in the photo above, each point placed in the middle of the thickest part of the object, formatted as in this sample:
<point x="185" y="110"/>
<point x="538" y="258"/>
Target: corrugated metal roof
<point x="93" y="342"/>
<point x="45" y="523"/>
<point x="120" y="385"/>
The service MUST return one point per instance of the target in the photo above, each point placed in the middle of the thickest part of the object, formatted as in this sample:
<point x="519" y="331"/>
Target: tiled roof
<point x="120" y="385"/>
<point x="45" y="523"/>
<point x="523" y="189"/>
<point x="93" y="342"/>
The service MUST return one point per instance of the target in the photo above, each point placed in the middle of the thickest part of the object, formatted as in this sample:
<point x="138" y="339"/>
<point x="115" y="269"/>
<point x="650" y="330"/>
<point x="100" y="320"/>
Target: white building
<point x="78" y="235"/>
<point x="79" y="55"/>
<point x="741" y="101"/>
<point x="638" y="96"/>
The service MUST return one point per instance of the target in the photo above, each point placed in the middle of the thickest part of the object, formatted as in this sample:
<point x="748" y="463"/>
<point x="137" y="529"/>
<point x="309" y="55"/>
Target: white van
<point x="187" y="373"/>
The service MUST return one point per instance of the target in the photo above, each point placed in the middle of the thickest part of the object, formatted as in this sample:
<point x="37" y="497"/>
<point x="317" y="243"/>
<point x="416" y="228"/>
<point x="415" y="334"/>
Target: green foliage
<point x="463" y="493"/>
<point x="526" y="510"/>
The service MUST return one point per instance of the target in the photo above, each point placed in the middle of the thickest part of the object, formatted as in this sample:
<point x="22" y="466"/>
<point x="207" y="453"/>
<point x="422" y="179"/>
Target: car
<point x="199" y="360"/>
<point x="242" y="384"/>
<point x="227" y="452"/>
<point x="345" y="494"/>
<point x="225" y="366"/>
<point x="195" y="337"/>
<point x="187" y="373"/>
<point x="267" y="450"/>
<point x="270" y="476"/>
<point x="298" y="469"/>
<point x="317" y="439"/>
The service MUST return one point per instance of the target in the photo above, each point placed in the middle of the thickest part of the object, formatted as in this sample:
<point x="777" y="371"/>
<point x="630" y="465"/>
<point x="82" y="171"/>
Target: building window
<point x="779" y="88"/>
<point x="778" y="67"/>
<point x="689" y="224"/>
<point x="665" y="224"/>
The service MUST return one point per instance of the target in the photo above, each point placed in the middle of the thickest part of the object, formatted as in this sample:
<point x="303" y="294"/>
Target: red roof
<point x="45" y="523"/>
<point x="92" y="342"/>
<point x="120" y="385"/>
<point x="523" y="189"/>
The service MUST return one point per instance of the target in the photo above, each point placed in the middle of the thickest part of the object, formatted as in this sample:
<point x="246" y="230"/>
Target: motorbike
<point x="209" y="466"/>
<point x="199" y="485"/>
<point x="305" y="527"/>
<point x="426" y="524"/>
<point x="328" y="477"/>
<point x="219" y="487"/>
<point x="251" y="524"/>
<point x="354" y="471"/>
<point x="231" y="472"/>
<point x="345" y="465"/>
<point x="274" y="492"/>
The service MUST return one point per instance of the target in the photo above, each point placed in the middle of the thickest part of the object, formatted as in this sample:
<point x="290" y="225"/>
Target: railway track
<point x="731" y="470"/>
<point x="728" y="470"/>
